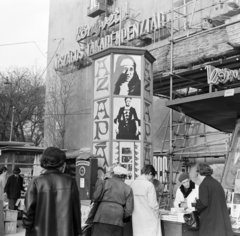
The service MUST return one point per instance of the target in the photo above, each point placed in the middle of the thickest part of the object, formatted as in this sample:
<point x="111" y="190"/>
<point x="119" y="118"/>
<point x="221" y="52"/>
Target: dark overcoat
<point x="214" y="216"/>
<point x="14" y="186"/>
<point x="52" y="206"/>
<point x="116" y="203"/>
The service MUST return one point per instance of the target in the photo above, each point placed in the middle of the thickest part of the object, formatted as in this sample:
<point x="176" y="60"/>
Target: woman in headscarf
<point x="126" y="77"/>
<point x="116" y="204"/>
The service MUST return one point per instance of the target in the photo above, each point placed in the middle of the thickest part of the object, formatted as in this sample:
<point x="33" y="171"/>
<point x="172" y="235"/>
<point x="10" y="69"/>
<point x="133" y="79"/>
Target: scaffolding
<point x="180" y="150"/>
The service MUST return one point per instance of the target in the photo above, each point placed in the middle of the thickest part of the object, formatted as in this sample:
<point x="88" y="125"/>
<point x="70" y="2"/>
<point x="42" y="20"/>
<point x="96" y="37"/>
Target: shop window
<point x="24" y="159"/>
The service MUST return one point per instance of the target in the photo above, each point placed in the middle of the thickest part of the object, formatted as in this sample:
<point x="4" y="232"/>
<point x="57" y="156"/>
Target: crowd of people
<point x="53" y="207"/>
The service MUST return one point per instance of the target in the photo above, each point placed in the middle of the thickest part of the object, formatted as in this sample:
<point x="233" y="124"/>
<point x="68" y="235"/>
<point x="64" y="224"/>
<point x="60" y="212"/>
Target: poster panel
<point x="126" y="118"/>
<point x="127" y="75"/>
<point x="102" y="77"/>
<point x="126" y="157"/>
<point x="101" y="119"/>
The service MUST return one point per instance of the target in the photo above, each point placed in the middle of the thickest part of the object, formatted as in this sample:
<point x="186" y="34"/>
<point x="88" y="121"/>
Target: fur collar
<point x="189" y="190"/>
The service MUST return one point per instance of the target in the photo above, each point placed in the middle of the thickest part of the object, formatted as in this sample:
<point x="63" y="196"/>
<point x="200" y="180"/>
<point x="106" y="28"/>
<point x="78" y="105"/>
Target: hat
<point x="118" y="170"/>
<point x="16" y="170"/>
<point x="183" y="176"/>
<point x="52" y="158"/>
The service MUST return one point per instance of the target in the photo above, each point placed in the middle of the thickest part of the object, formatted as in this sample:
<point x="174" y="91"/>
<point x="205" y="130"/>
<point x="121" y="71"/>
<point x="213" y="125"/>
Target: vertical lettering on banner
<point x="101" y="119"/>
<point x="147" y="88"/>
<point x="102" y="77"/>
<point x="147" y="153"/>
<point x="101" y="110"/>
<point x="102" y="84"/>
<point x="147" y="70"/>
<point x="147" y="117"/>
<point x="147" y="122"/>
<point x="102" y="151"/>
<point x="147" y="81"/>
<point x="100" y="129"/>
<point x="102" y="68"/>
<point x="147" y="136"/>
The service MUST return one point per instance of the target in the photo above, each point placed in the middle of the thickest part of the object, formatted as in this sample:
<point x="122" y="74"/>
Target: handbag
<point x="192" y="220"/>
<point x="94" y="208"/>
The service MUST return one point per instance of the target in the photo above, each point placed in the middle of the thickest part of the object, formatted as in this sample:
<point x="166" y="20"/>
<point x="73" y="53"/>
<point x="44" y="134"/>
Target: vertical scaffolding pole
<point x="171" y="115"/>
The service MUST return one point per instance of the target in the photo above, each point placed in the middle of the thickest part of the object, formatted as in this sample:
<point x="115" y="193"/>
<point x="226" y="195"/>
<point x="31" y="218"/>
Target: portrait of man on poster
<point x="126" y="77"/>
<point x="127" y="121"/>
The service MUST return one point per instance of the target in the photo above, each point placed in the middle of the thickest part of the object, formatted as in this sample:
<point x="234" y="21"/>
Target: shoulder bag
<point x="94" y="208"/>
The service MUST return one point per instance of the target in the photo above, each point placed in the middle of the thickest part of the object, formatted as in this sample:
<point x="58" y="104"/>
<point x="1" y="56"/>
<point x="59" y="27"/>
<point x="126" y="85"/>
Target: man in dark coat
<point x="13" y="188"/>
<point x="214" y="216"/>
<point x="52" y="200"/>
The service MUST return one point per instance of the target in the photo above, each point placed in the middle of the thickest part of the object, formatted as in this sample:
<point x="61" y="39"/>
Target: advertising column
<point x="122" y="108"/>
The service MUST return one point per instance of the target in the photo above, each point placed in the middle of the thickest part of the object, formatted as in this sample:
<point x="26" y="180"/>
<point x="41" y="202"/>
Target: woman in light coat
<point x="145" y="218"/>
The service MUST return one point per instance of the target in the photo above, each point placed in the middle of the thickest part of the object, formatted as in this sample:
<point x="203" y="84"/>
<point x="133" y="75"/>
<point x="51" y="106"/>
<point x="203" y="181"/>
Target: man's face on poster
<point x="128" y="102"/>
<point x="128" y="70"/>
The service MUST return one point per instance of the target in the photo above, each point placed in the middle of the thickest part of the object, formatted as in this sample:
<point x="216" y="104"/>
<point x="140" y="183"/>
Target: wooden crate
<point x="10" y="215"/>
<point x="10" y="227"/>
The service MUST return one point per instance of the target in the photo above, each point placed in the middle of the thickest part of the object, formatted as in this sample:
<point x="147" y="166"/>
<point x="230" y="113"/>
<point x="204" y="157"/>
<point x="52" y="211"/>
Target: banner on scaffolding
<point x="221" y="76"/>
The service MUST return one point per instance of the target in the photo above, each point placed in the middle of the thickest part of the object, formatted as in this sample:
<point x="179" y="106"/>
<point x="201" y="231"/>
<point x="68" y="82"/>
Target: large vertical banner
<point x="101" y="112"/>
<point x="127" y="87"/>
<point x="122" y="109"/>
<point x="147" y="113"/>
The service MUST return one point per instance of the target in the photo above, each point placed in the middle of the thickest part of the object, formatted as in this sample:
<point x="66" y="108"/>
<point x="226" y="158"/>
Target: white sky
<point x="23" y="21"/>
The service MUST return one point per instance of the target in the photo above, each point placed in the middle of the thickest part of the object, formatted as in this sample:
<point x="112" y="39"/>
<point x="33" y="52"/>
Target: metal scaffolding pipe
<point x="171" y="116"/>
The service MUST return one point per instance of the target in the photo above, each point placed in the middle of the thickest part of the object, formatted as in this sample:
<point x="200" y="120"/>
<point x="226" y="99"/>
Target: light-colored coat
<point x="3" y="180"/>
<point x="145" y="218"/>
<point x="190" y="199"/>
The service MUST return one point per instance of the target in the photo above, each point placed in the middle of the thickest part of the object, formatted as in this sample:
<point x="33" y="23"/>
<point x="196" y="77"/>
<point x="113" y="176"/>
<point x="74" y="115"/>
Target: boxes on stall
<point x="10" y="227"/>
<point x="10" y="215"/>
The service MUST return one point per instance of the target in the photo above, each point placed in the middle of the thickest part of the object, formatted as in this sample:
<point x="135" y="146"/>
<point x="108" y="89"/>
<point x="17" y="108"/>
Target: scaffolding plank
<point x="213" y="109"/>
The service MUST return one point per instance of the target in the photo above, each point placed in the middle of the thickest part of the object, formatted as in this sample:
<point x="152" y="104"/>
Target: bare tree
<point x="22" y="98"/>
<point x="61" y="99"/>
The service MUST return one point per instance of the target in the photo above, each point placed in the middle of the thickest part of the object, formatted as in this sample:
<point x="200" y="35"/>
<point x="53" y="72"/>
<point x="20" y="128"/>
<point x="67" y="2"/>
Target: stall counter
<point x="172" y="228"/>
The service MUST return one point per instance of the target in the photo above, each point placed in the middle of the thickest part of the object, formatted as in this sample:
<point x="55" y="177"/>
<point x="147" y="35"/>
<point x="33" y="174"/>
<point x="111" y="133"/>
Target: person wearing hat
<point x="13" y="188"/>
<point x="186" y="193"/>
<point x="116" y="204"/>
<point x="211" y="204"/>
<point x="52" y="205"/>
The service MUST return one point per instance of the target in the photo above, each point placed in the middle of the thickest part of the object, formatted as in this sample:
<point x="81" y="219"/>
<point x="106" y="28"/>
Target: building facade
<point x="80" y="29"/>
